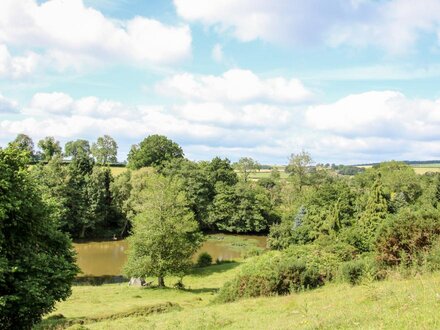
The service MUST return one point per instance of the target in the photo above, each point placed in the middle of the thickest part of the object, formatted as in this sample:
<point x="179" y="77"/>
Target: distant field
<point x="117" y="170"/>
<point x="424" y="169"/>
<point x="419" y="168"/>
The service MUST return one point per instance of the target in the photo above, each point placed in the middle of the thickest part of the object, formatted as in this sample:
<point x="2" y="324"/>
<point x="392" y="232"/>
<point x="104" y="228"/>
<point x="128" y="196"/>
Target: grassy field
<point x="117" y="170"/>
<point x="419" y="169"/>
<point x="392" y="304"/>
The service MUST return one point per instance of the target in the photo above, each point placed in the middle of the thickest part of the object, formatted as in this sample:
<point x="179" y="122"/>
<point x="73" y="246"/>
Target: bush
<point x="353" y="271"/>
<point x="408" y="235"/>
<point x="279" y="273"/>
<point x="204" y="260"/>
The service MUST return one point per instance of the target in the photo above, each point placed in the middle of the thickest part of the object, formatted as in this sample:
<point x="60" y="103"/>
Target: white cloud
<point x="394" y="25"/>
<point x="17" y="66"/>
<point x="71" y="33"/>
<point x="54" y="103"/>
<point x="235" y="85"/>
<point x="386" y="114"/>
<point x="232" y="116"/>
<point x="371" y="126"/>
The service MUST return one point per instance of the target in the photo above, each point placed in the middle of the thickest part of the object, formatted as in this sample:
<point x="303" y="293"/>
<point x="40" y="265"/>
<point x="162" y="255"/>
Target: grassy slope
<point x="392" y="304"/>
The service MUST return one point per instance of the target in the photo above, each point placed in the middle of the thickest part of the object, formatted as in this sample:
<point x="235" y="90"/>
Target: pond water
<point x="108" y="257"/>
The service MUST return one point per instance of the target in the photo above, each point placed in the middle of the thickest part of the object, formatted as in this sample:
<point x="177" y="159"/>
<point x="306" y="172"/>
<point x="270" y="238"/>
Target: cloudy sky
<point x="347" y="80"/>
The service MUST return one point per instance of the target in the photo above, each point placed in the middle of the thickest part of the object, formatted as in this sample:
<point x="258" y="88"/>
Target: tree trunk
<point x="83" y="232"/>
<point x="161" y="281"/>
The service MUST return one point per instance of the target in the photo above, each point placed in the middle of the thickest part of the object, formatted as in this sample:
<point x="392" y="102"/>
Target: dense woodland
<point x="322" y="221"/>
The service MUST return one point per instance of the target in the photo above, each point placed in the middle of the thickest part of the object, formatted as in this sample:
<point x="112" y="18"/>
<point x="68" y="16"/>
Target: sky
<point x="349" y="81"/>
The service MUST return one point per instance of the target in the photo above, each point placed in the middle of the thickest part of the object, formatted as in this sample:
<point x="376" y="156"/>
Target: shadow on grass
<point x="201" y="290"/>
<point x="61" y="322"/>
<point x="99" y="280"/>
<point x="209" y="270"/>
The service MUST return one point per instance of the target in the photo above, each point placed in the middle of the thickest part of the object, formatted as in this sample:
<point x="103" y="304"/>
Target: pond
<point x="108" y="257"/>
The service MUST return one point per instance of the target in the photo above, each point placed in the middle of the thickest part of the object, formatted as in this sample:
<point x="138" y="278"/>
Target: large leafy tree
<point x="37" y="263"/>
<point x="165" y="232"/>
<point x="299" y="168"/>
<point x="154" y="151"/>
<point x="241" y="208"/>
<point x="105" y="150"/>
<point x="24" y="142"/>
<point x="246" y="166"/>
<point x="78" y="148"/>
<point x="49" y="148"/>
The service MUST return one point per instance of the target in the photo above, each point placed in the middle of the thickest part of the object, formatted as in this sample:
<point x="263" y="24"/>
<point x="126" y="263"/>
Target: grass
<point x="396" y="303"/>
<point x="117" y="170"/>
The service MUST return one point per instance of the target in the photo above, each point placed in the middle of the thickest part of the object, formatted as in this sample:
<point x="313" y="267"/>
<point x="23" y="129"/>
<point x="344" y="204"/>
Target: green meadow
<point x="396" y="303"/>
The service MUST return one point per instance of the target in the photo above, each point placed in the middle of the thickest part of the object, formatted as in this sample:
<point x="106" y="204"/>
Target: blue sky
<point x="347" y="80"/>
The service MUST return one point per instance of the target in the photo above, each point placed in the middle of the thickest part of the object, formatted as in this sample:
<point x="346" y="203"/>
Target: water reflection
<point x="108" y="257"/>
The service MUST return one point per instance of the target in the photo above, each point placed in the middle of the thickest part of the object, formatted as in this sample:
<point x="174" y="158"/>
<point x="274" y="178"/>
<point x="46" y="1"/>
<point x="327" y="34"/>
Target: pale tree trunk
<point x="83" y="231"/>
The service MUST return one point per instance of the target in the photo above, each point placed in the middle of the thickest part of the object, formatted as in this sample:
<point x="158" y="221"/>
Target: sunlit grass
<point x="392" y="304"/>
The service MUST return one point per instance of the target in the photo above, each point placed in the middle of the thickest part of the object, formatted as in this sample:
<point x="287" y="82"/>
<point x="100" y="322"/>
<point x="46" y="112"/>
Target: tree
<point x="241" y="208"/>
<point x="220" y="170"/>
<point x="78" y="148"/>
<point x="246" y="166"/>
<point x="375" y="212"/>
<point x="198" y="188"/>
<point x="49" y="147"/>
<point x="24" y="143"/>
<point x="105" y="150"/>
<point x="165" y="233"/>
<point x="154" y="151"/>
<point x="298" y="167"/>
<point x="37" y="263"/>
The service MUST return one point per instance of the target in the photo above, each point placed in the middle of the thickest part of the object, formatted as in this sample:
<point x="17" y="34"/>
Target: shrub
<point x="408" y="235"/>
<point x="353" y="271"/>
<point x="204" y="260"/>
<point x="278" y="273"/>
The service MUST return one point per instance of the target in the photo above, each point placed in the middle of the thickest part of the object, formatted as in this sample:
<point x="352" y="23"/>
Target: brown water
<point x="108" y="258"/>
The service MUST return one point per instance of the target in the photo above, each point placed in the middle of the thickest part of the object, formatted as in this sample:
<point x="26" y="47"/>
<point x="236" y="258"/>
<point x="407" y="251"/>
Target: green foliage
<point x="246" y="166"/>
<point x="299" y="168"/>
<point x="49" y="148"/>
<point x="154" y="151"/>
<point x="105" y="150"/>
<point x="408" y="234"/>
<point x="77" y="149"/>
<point x="240" y="208"/>
<point x="204" y="259"/>
<point x="278" y="273"/>
<point x="37" y="264"/>
<point x="24" y="143"/>
<point x="165" y="233"/>
<point x="352" y="271"/>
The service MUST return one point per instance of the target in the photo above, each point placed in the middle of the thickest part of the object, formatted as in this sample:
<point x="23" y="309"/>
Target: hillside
<point x="396" y="303"/>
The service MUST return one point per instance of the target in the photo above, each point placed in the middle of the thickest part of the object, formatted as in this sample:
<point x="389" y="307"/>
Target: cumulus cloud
<point x="365" y="127"/>
<point x="394" y="25"/>
<point x="383" y="114"/>
<point x="17" y="66"/>
<point x="235" y="85"/>
<point x="71" y="33"/>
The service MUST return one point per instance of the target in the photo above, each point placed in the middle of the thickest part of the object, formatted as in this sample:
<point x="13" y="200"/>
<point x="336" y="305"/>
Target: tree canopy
<point x="37" y="263"/>
<point x="154" y="151"/>
<point x="105" y="150"/>
<point x="165" y="233"/>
